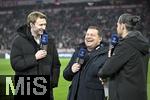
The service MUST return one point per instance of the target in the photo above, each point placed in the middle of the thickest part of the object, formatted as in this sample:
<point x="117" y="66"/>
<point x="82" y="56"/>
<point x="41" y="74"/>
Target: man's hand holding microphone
<point x="40" y="54"/>
<point x="43" y="45"/>
<point x="79" y="61"/>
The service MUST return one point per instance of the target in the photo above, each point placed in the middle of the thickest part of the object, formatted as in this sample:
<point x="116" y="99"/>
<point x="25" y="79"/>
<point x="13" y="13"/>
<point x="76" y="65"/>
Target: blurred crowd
<point x="68" y="24"/>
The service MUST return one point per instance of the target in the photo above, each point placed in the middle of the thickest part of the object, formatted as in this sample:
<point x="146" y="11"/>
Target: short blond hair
<point x="32" y="17"/>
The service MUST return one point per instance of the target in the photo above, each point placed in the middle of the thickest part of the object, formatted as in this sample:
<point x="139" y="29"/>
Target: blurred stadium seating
<point x="68" y="21"/>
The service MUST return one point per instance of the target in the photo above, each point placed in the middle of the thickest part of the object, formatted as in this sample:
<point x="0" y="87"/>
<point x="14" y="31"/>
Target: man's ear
<point x="31" y="24"/>
<point x="123" y="26"/>
<point x="100" y="38"/>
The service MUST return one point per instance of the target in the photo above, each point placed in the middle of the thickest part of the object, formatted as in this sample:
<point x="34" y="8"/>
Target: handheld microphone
<point x="114" y="41"/>
<point x="44" y="41"/>
<point x="80" y="56"/>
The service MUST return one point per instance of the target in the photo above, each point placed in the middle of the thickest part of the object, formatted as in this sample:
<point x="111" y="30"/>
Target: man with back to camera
<point x="127" y="67"/>
<point x="28" y="57"/>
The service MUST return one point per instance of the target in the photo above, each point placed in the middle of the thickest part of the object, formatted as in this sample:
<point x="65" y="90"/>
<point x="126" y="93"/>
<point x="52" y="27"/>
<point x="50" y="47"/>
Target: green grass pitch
<point x="60" y="93"/>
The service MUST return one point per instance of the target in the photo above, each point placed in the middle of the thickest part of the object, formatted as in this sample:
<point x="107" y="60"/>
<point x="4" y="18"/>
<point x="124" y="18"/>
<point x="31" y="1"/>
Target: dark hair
<point x="129" y="20"/>
<point x="97" y="28"/>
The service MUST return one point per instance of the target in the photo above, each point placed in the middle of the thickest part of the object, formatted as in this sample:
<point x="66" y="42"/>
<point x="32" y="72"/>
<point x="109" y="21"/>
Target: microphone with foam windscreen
<point x="113" y="42"/>
<point x="44" y="41"/>
<point x="81" y="56"/>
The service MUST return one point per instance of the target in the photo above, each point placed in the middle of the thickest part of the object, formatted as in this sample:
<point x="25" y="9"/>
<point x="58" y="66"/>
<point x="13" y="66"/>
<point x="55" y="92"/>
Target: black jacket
<point x="23" y="59"/>
<point x="127" y="68"/>
<point x="85" y="83"/>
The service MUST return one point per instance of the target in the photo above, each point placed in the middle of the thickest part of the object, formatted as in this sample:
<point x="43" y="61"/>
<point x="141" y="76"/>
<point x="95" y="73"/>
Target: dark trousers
<point x="51" y="94"/>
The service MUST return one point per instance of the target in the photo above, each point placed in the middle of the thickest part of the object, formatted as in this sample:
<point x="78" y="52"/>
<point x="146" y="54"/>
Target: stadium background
<point x="67" y="23"/>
